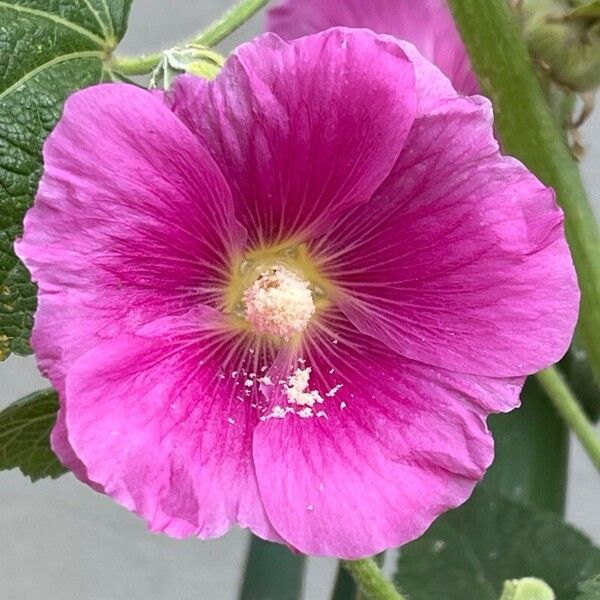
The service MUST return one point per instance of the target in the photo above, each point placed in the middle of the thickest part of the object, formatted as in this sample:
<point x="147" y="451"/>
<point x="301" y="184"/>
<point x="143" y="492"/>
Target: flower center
<point x="279" y="302"/>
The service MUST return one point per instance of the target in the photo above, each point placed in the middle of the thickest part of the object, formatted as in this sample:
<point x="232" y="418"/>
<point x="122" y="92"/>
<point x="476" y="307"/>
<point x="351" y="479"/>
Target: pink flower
<point x="428" y="24"/>
<point x="290" y="297"/>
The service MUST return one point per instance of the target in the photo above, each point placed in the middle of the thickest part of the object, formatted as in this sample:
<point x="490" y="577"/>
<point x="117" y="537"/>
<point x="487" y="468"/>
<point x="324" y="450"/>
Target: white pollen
<point x="266" y="380"/>
<point x="231" y="420"/>
<point x="297" y="391"/>
<point x="343" y="405"/>
<point x="300" y="399"/>
<point x="279" y="302"/>
<point x="277" y="413"/>
<point x="248" y="383"/>
<point x="333" y="391"/>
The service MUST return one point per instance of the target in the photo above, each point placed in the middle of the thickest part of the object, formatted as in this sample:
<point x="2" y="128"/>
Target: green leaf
<point x="25" y="436"/>
<point x="590" y="590"/>
<point x="471" y="551"/>
<point x="48" y="49"/>
<point x="273" y="572"/>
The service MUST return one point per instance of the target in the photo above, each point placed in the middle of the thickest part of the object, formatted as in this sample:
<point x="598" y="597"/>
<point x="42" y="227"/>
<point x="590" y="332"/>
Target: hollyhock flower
<point x="288" y="298"/>
<point x="428" y="24"/>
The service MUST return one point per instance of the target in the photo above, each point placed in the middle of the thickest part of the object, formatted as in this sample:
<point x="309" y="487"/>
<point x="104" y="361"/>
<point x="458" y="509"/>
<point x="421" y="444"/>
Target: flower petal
<point x="433" y="87"/>
<point x="59" y="440"/>
<point x="302" y="130"/>
<point x="132" y="219"/>
<point x="428" y="24"/>
<point x="163" y="421"/>
<point x="396" y="444"/>
<point x="460" y="259"/>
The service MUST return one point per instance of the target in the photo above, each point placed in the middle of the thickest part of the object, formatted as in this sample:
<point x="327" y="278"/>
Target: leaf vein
<point x="50" y="63"/>
<point x="56" y="19"/>
<point x="100" y="22"/>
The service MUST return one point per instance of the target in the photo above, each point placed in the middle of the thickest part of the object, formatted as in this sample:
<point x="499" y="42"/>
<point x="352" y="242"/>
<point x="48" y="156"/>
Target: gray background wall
<point x="61" y="541"/>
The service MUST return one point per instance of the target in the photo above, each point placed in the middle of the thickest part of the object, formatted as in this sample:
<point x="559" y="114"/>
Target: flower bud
<point x="193" y="58"/>
<point x="528" y="588"/>
<point x="564" y="37"/>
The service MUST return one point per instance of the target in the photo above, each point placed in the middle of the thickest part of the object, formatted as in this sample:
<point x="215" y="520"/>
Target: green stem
<point x="272" y="571"/>
<point x="135" y="65"/>
<point x="232" y="20"/>
<point x="372" y="580"/>
<point x="529" y="132"/>
<point x="344" y="587"/>
<point x="569" y="408"/>
<point x="531" y="452"/>
<point x="564" y="110"/>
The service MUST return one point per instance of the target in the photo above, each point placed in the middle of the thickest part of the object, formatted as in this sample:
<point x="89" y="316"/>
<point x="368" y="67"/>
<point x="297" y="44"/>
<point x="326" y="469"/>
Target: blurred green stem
<point x="531" y="452"/>
<point x="531" y="442"/>
<point x="272" y="572"/>
<point x="211" y="36"/>
<point x="569" y="408"/>
<point x="529" y="131"/>
<point x="344" y="587"/>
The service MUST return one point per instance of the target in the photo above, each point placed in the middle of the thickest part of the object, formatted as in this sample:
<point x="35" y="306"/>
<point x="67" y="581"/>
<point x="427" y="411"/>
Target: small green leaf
<point x="470" y="552"/>
<point x="48" y="49"/>
<point x="590" y="590"/>
<point x="25" y="436"/>
<point x="528" y="588"/>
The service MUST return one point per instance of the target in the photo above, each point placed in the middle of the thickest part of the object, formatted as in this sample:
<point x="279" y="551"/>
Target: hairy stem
<point x="215" y="33"/>
<point x="569" y="408"/>
<point x="232" y="20"/>
<point x="371" y="579"/>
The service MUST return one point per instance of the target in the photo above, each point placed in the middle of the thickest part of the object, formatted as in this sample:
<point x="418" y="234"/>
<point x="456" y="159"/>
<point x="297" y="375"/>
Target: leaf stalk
<point x="215" y="33"/>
